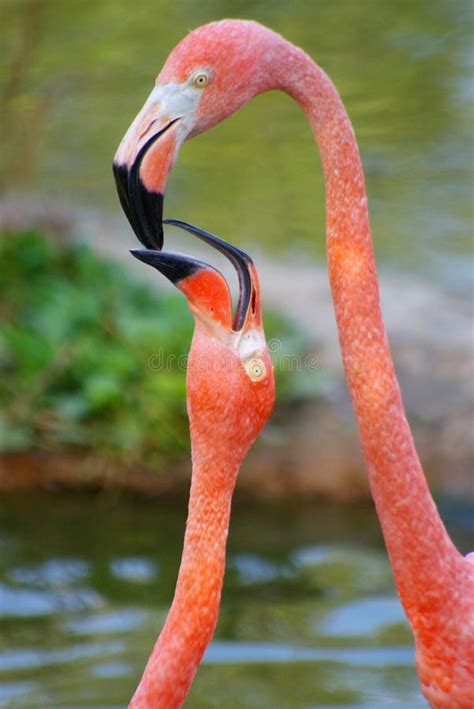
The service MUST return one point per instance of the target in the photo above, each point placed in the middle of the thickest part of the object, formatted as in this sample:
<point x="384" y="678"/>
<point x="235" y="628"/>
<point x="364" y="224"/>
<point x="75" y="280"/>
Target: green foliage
<point x="82" y="348"/>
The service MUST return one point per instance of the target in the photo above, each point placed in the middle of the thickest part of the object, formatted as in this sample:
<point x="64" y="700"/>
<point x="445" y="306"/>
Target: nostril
<point x="254" y="302"/>
<point x="147" y="129"/>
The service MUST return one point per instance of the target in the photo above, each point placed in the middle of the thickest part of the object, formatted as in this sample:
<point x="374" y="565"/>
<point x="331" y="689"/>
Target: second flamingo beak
<point x="205" y="287"/>
<point x="176" y="267"/>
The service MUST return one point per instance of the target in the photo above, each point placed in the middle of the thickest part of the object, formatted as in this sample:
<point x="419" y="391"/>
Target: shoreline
<point x="310" y="447"/>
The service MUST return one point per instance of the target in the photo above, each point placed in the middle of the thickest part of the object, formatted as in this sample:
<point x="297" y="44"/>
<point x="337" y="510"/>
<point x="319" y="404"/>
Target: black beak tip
<point x="140" y="254"/>
<point x="144" y="209"/>
<point x="175" y="267"/>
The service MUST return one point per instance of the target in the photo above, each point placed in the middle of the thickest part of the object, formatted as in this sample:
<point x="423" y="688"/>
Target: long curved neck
<point x="192" y="619"/>
<point x="421" y="553"/>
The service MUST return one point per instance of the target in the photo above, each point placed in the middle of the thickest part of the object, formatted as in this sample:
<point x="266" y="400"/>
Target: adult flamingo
<point x="211" y="73"/>
<point x="230" y="395"/>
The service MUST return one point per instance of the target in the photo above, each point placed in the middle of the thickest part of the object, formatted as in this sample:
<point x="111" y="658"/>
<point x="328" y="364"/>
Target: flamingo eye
<point x="256" y="369"/>
<point x="200" y="80"/>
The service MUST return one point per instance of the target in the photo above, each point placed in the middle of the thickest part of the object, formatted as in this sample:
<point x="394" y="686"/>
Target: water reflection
<point x="363" y="616"/>
<point x="309" y="614"/>
<point x="133" y="568"/>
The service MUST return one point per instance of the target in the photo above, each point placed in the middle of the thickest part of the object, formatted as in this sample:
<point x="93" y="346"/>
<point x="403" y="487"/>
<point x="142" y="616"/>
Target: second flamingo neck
<point x="192" y="618"/>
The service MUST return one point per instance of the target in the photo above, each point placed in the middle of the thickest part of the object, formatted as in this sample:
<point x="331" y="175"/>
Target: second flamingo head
<point x="230" y="379"/>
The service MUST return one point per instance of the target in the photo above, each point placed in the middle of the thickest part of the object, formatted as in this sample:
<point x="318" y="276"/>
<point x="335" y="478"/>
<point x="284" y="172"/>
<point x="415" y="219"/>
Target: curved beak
<point x="205" y="287"/>
<point x="143" y="161"/>
<point x="248" y="305"/>
<point x="177" y="268"/>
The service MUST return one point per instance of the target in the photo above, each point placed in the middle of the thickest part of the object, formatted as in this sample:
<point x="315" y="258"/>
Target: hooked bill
<point x="177" y="267"/>
<point x="143" y="207"/>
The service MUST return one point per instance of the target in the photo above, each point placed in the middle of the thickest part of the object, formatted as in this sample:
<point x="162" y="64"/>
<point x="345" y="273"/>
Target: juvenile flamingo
<point x="211" y="73"/>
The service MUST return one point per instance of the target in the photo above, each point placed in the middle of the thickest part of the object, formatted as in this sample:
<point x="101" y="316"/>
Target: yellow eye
<point x="200" y="80"/>
<point x="256" y="369"/>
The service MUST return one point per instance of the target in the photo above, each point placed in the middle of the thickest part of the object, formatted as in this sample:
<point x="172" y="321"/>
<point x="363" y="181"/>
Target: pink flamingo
<point x="230" y="395"/>
<point x="211" y="73"/>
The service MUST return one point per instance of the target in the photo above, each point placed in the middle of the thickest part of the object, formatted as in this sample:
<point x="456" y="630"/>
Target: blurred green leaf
<point x="14" y="437"/>
<point x="92" y="359"/>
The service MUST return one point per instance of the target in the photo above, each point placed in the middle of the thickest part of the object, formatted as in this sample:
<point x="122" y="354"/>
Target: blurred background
<point x="94" y="467"/>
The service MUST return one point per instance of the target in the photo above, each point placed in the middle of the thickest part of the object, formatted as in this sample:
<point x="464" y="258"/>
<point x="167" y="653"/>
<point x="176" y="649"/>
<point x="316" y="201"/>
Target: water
<point x="403" y="70"/>
<point x="309" y="614"/>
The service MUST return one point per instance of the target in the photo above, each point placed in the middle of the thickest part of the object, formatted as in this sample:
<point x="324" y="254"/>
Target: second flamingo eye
<point x="256" y="369"/>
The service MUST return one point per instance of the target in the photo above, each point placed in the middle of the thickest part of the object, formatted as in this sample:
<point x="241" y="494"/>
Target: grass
<point x="79" y="345"/>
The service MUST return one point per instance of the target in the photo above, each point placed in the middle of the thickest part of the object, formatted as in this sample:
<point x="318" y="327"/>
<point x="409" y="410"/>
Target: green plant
<point x="82" y="348"/>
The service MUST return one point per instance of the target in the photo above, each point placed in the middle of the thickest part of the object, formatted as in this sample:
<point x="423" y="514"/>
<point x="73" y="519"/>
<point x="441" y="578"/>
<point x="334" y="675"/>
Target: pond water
<point x="77" y="73"/>
<point x="309" y="615"/>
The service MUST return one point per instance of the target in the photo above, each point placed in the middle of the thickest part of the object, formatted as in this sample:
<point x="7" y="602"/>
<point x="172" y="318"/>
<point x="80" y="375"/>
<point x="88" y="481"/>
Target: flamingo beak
<point x="176" y="267"/>
<point x="249" y="287"/>
<point x="141" y="201"/>
<point x="205" y="288"/>
<point x="143" y="161"/>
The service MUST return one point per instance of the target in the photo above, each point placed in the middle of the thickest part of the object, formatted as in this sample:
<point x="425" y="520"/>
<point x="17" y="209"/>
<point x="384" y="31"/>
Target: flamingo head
<point x="230" y="382"/>
<point x="209" y="75"/>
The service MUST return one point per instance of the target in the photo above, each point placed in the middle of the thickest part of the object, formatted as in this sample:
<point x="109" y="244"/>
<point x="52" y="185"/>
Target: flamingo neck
<point x="192" y="618"/>
<point x="423" y="557"/>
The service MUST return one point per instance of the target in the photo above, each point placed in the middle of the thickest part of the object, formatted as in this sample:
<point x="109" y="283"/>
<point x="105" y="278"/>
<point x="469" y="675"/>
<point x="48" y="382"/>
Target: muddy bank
<point x="310" y="447"/>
